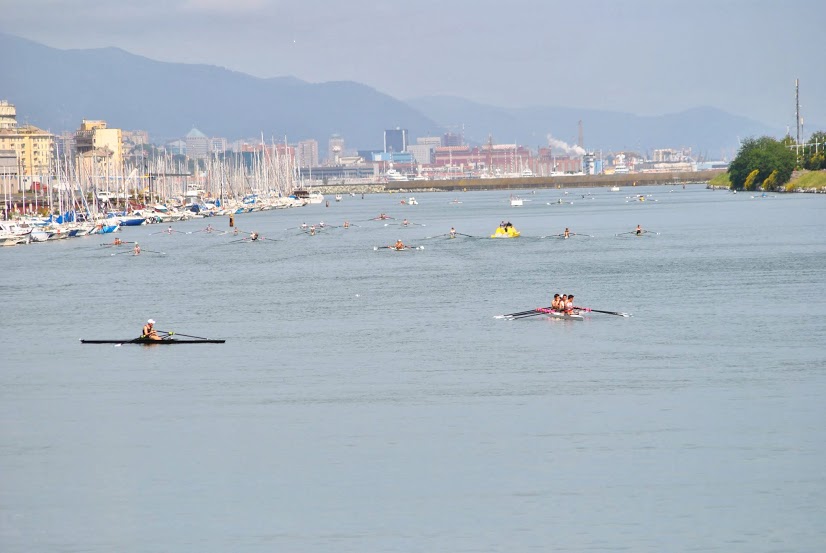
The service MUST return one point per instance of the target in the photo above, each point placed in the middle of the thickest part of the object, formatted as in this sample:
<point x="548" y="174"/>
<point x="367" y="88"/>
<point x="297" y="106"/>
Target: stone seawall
<point x="567" y="181"/>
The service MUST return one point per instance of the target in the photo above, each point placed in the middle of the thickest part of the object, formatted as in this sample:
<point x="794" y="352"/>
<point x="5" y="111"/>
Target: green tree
<point x="763" y="155"/>
<point x="815" y="154"/>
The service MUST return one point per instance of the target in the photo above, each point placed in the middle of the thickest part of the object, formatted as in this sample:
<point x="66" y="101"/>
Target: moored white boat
<point x="412" y="201"/>
<point x="516" y="201"/>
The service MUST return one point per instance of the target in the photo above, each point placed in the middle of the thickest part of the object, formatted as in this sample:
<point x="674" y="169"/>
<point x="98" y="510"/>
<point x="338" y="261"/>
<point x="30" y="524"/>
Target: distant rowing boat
<point x="166" y="342"/>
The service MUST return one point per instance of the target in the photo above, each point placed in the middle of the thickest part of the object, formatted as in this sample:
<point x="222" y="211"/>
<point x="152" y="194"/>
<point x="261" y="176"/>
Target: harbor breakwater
<point x="522" y="183"/>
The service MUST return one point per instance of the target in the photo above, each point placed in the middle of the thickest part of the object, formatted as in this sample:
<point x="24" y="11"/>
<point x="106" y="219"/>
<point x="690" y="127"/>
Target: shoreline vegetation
<point x="801" y="181"/>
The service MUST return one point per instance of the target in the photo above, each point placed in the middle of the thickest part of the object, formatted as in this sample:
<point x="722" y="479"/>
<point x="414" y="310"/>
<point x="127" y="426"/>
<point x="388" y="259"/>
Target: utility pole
<point x="797" y="107"/>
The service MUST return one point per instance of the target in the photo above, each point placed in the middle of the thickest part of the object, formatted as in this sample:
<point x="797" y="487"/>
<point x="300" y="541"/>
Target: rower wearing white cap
<point x="149" y="332"/>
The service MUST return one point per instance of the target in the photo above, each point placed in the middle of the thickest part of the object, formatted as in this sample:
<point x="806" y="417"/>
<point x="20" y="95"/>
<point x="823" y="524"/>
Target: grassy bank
<point x="720" y="181"/>
<point x="810" y="180"/>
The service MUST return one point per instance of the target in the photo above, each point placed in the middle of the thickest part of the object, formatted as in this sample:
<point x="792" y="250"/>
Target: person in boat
<point x="312" y="230"/>
<point x="235" y="232"/>
<point x="137" y="249"/>
<point x="346" y="224"/>
<point x="253" y="236"/>
<point x="569" y="305"/>
<point x="567" y="233"/>
<point x="399" y="245"/>
<point x="149" y="332"/>
<point x="555" y="303"/>
<point x="208" y="228"/>
<point x="321" y="224"/>
<point x="562" y="300"/>
<point x="452" y="232"/>
<point x="638" y="230"/>
<point x="169" y="230"/>
<point x="405" y="223"/>
<point x="303" y="226"/>
<point x="117" y="242"/>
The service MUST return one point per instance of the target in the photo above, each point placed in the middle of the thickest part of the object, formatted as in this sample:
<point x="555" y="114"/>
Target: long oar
<point x="519" y="314"/>
<point x="171" y="333"/>
<point x="589" y="310"/>
<point x="153" y="251"/>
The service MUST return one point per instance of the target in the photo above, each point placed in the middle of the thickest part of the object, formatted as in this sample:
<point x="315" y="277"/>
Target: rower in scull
<point x="148" y="332"/>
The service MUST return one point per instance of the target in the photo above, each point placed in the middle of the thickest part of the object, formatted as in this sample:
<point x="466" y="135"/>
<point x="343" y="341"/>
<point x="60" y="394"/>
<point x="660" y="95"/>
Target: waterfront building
<point x="395" y="140"/>
<point x="176" y="147"/>
<point x="135" y="138"/>
<point x="335" y="149"/>
<point x="197" y="144"/>
<point x="94" y="134"/>
<point x="422" y="153"/>
<point x="217" y="145"/>
<point x="452" y="140"/>
<point x="493" y="159"/>
<point x="308" y="153"/>
<point x="435" y="141"/>
<point x="31" y="147"/>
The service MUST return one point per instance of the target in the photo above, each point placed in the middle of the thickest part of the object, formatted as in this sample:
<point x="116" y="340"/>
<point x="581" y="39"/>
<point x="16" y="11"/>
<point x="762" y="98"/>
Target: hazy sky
<point x="638" y="56"/>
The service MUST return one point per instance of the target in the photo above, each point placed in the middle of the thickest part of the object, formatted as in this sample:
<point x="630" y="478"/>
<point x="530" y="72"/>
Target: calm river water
<point x="368" y="400"/>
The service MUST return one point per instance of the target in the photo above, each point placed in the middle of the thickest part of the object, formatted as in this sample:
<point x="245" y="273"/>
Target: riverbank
<point x="812" y="182"/>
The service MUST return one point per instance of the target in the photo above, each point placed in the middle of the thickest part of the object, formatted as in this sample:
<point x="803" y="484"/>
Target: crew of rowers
<point x="563" y="304"/>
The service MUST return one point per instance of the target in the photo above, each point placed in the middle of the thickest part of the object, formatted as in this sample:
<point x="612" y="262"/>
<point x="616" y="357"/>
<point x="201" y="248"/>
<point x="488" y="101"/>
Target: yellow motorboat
<point x="508" y="232"/>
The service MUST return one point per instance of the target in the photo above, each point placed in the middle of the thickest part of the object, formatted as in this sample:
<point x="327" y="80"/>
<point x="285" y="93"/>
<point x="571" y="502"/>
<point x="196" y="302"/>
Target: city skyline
<point x="642" y="57"/>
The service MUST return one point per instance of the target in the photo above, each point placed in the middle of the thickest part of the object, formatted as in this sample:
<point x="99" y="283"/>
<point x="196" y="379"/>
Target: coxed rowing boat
<point x="166" y="342"/>
<point x="559" y="315"/>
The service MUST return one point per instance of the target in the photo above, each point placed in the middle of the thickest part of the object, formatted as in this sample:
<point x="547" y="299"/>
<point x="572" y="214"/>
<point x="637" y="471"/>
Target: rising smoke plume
<point x="564" y="146"/>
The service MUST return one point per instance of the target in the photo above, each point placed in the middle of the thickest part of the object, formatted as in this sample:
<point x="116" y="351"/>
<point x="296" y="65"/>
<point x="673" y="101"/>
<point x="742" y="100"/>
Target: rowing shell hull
<point x="564" y="316"/>
<point x="153" y="342"/>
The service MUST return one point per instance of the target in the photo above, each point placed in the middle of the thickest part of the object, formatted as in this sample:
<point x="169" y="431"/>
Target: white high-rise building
<point x="335" y="149"/>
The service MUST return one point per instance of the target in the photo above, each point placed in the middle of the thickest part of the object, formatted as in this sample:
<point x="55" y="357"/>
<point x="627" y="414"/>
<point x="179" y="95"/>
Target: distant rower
<point x="148" y="332"/>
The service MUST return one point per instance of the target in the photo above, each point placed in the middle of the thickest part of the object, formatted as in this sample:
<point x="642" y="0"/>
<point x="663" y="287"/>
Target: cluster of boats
<point x="70" y="224"/>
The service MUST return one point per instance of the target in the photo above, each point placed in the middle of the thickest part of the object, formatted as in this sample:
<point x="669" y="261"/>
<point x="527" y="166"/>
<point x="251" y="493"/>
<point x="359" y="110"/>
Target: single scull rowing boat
<point x="167" y="342"/>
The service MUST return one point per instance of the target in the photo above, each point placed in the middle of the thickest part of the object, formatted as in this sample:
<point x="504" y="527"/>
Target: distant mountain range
<point x="55" y="89"/>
